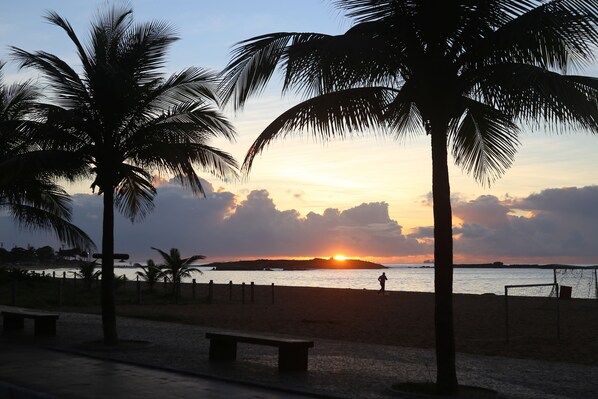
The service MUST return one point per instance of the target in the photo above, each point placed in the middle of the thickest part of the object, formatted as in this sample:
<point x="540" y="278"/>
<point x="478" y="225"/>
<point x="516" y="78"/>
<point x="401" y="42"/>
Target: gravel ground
<point x="336" y="368"/>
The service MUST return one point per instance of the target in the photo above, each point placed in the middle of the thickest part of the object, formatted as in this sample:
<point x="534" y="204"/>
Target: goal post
<point x="555" y="288"/>
<point x="583" y="280"/>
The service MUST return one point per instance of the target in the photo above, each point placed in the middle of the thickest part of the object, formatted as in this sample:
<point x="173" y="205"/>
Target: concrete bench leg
<point x="13" y="323"/>
<point x="44" y="327"/>
<point x="292" y="359"/>
<point x="222" y="350"/>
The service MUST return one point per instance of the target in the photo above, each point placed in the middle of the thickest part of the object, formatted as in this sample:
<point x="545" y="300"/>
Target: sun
<point x="340" y="257"/>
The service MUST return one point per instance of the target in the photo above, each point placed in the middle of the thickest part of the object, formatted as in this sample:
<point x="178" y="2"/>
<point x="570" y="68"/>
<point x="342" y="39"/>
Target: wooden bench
<point x="292" y="353"/>
<point x="44" y="323"/>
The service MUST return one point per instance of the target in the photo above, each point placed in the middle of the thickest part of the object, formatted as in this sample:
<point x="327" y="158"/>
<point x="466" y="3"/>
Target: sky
<point x="365" y="197"/>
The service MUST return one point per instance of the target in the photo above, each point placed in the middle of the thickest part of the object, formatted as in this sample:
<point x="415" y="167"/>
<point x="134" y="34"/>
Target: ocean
<point x="401" y="277"/>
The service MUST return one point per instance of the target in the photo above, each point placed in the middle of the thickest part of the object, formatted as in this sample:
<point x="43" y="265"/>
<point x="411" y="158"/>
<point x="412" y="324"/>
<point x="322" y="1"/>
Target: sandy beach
<point x="397" y="318"/>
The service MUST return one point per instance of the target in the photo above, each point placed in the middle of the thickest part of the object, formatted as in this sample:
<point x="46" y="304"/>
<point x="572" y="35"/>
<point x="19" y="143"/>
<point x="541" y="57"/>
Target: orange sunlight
<point x="340" y="257"/>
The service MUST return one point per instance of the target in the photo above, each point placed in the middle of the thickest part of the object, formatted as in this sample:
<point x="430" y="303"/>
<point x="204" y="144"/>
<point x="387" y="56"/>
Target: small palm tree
<point x="151" y="273"/>
<point x="88" y="273"/>
<point x="26" y="188"/>
<point x="176" y="268"/>
<point x="121" y="120"/>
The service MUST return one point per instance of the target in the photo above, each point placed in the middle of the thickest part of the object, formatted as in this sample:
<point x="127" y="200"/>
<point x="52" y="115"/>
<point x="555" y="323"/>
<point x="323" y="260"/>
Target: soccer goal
<point x="532" y="306"/>
<point x="576" y="282"/>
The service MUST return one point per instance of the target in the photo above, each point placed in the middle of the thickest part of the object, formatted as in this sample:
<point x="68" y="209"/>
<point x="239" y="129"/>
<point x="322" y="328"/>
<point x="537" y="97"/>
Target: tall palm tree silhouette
<point x="123" y="120"/>
<point x="466" y="73"/>
<point x="27" y="189"/>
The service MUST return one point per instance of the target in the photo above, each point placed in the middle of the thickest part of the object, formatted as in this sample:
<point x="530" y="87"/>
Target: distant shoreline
<point x="293" y="264"/>
<point x="311" y="264"/>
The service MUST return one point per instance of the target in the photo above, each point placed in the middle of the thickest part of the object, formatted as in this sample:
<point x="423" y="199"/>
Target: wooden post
<point x="507" y="314"/>
<point x="74" y="280"/>
<point x="252" y="297"/>
<point x="43" y="273"/>
<point x="138" y="291"/>
<point x="272" y="293"/>
<point x="60" y="292"/>
<point x="53" y="274"/>
<point x="243" y="293"/>
<point x="230" y="290"/>
<point x="211" y="291"/>
<point x="124" y="281"/>
<point x="558" y="314"/>
<point x="596" y="281"/>
<point x="14" y="292"/>
<point x="164" y="283"/>
<point x="193" y="283"/>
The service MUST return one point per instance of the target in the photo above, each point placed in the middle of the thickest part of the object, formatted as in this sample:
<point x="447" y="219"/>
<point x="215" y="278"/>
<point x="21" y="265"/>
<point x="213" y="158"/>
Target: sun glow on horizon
<point x="340" y="257"/>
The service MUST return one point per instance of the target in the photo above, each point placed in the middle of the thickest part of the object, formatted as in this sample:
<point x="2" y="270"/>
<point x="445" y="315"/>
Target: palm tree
<point x="123" y="119"/>
<point x="150" y="274"/>
<point x="87" y="271"/>
<point x="466" y="73"/>
<point x="27" y="191"/>
<point x="176" y="268"/>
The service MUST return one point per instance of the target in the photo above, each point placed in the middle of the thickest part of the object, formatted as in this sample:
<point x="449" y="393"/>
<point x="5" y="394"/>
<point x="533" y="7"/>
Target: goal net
<point x="579" y="282"/>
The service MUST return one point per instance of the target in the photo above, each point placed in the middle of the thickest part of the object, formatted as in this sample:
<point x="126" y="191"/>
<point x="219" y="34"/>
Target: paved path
<point x="178" y="353"/>
<point x="53" y="374"/>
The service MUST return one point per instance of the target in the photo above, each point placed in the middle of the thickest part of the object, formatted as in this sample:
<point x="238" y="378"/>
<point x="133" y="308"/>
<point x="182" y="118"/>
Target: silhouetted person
<point x="382" y="279"/>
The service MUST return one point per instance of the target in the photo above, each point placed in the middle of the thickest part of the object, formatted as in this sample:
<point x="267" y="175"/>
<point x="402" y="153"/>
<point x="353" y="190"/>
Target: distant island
<point x="293" y="264"/>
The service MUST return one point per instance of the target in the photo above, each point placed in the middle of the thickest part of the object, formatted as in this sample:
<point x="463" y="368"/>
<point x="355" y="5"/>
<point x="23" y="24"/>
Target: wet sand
<point x="397" y="318"/>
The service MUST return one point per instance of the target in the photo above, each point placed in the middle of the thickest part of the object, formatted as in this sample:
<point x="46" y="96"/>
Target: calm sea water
<point x="401" y="277"/>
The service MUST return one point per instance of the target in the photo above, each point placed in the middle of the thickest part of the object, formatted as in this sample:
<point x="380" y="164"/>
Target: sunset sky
<point x="368" y="197"/>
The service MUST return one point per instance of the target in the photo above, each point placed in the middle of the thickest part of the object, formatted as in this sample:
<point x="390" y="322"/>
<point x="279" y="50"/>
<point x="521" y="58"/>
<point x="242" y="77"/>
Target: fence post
<point x="138" y="291"/>
<point x="60" y="292"/>
<point x="164" y="283"/>
<point x="243" y="293"/>
<point x="252" y="297"/>
<point x="230" y="290"/>
<point x="272" y="293"/>
<point x="14" y="292"/>
<point x="507" y="313"/>
<point x="193" y="282"/>
<point x="74" y="280"/>
<point x="53" y="274"/>
<point x="210" y="291"/>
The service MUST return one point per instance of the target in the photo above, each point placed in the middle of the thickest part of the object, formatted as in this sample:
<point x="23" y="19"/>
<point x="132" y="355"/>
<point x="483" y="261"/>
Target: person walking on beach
<point x="382" y="279"/>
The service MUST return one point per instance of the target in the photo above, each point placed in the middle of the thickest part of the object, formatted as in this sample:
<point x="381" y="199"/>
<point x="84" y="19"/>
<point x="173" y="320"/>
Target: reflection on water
<point x="401" y="277"/>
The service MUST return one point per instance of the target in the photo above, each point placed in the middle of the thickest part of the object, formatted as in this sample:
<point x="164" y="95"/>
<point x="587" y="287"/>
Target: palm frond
<point x="484" y="141"/>
<point x="254" y="62"/>
<point x="328" y="116"/>
<point x="135" y="193"/>
<point x="34" y="218"/>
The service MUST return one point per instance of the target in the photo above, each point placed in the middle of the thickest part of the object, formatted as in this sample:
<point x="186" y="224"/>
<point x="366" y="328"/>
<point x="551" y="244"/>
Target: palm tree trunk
<point x="108" y="301"/>
<point x="446" y="378"/>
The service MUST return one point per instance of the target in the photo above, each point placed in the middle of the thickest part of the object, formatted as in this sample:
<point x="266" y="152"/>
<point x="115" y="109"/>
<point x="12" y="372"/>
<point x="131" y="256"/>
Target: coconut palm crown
<point x="123" y="119"/>
<point x="467" y="73"/>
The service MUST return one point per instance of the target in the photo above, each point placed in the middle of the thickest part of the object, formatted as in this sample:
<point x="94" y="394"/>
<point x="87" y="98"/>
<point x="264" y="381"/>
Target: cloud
<point x="222" y="226"/>
<point x="557" y="224"/>
<point x="554" y="225"/>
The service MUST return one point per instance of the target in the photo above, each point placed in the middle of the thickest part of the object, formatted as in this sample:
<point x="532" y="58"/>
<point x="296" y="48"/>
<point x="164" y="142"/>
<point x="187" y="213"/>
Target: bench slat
<point x="260" y="339"/>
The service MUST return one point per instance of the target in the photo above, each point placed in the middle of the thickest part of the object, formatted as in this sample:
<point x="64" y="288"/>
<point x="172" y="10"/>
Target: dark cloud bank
<point x="557" y="224"/>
